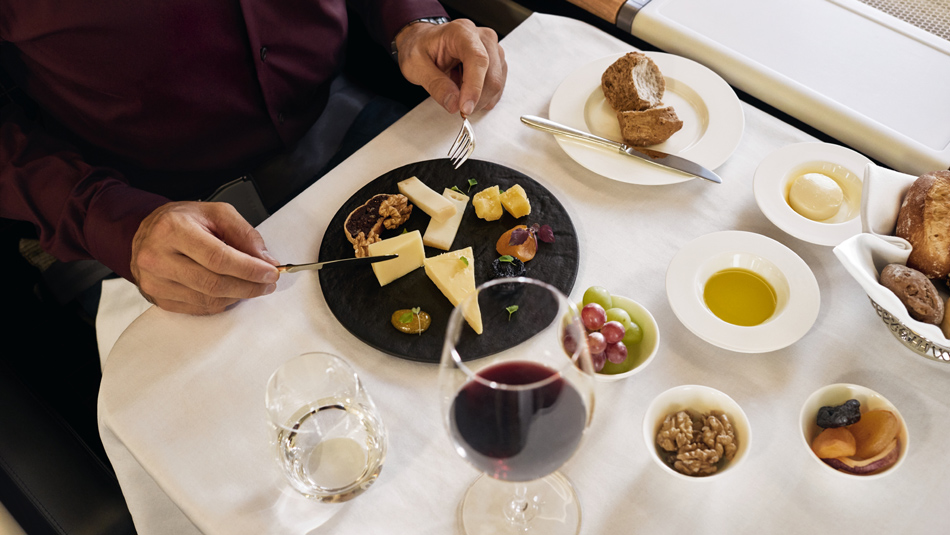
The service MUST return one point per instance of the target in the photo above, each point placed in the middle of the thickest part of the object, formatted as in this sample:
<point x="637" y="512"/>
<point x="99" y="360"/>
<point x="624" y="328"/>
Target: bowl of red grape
<point x="622" y="335"/>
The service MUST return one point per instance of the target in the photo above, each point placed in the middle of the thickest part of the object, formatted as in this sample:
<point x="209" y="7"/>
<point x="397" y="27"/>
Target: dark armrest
<point x="50" y="481"/>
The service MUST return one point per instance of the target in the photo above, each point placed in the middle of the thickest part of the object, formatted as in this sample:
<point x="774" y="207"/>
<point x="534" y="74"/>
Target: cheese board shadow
<point x="364" y="308"/>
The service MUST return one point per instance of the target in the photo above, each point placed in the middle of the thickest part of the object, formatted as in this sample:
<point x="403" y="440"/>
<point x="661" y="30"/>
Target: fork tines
<point x="464" y="144"/>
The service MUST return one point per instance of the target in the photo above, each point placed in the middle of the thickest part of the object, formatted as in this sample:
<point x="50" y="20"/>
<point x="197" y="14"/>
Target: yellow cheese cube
<point x="487" y="204"/>
<point x="515" y="200"/>
<point x="411" y="256"/>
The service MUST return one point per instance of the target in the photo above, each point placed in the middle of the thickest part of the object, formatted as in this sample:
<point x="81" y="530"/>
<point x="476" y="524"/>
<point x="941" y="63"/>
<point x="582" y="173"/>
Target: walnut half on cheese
<point x="441" y="234"/>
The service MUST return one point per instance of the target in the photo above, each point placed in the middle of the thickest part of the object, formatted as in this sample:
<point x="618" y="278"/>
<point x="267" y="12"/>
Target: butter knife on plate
<point x="662" y="159"/>
<point x="349" y="262"/>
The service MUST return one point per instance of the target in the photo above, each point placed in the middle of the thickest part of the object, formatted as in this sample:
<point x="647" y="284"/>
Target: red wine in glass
<point x="518" y="434"/>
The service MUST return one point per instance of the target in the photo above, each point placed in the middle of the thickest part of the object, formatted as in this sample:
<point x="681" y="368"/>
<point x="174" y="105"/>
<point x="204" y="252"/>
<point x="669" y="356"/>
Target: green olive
<point x="411" y="321"/>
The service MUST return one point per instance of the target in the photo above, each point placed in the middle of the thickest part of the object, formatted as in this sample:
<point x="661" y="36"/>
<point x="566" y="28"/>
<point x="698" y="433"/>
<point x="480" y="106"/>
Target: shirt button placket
<point x="263" y="53"/>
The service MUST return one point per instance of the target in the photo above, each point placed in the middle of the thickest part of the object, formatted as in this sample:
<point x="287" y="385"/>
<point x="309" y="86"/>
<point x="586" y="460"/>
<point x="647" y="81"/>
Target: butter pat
<point x="815" y="196"/>
<point x="455" y="278"/>
<point x="441" y="234"/>
<point x="438" y="207"/>
<point x="411" y="256"/>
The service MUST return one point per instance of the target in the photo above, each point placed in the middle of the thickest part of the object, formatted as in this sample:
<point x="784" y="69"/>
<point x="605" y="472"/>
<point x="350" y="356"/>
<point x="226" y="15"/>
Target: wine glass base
<point x="550" y="507"/>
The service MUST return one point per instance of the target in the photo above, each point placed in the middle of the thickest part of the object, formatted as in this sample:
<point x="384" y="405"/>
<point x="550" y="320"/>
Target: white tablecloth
<point x="181" y="402"/>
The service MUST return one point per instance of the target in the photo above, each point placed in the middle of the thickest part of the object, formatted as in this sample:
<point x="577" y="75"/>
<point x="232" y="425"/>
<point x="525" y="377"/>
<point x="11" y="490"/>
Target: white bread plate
<point x="866" y="254"/>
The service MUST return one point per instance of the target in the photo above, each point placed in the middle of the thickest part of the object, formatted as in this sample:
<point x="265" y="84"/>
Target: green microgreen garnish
<point x="464" y="260"/>
<point x="506" y="258"/>
<point x="456" y="188"/>
<point x="511" y="310"/>
<point x="407" y="317"/>
<point x="471" y="183"/>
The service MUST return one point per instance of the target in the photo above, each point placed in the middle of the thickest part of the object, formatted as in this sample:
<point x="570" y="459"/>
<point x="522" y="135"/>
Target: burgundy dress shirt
<point x="173" y="94"/>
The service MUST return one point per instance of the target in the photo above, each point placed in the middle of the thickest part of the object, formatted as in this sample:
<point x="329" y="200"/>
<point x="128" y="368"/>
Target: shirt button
<point x="263" y="53"/>
<point x="280" y="117"/>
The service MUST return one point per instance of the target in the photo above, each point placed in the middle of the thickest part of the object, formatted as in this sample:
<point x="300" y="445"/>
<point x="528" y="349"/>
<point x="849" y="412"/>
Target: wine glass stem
<point x="520" y="510"/>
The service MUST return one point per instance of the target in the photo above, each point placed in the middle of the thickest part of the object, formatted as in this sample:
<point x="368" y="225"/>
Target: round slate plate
<point x="364" y="308"/>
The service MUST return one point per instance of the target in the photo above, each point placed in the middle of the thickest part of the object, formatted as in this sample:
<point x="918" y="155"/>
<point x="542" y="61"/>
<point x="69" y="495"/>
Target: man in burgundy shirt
<point x="165" y="101"/>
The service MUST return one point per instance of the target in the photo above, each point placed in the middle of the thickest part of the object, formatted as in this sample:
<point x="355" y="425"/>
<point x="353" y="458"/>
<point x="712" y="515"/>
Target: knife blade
<point x="662" y="159"/>
<point x="351" y="262"/>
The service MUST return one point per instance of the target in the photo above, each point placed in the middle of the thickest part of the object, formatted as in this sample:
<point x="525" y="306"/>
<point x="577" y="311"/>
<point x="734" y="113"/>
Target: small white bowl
<point x="837" y="394"/>
<point x="700" y="399"/>
<point x="646" y="350"/>
<point x="798" y="297"/>
<point x="773" y="178"/>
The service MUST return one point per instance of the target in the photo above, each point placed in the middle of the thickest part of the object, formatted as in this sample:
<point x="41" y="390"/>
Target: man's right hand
<point x="200" y="258"/>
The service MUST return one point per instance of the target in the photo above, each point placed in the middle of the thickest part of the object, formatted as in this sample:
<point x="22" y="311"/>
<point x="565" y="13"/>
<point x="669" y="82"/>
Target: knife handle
<point x="549" y="126"/>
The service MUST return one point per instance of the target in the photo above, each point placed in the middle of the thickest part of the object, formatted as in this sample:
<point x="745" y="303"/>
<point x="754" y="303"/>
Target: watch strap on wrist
<point x="429" y="20"/>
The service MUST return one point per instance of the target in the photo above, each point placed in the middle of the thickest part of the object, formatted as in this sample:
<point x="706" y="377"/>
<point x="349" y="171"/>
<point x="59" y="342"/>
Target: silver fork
<point x="464" y="144"/>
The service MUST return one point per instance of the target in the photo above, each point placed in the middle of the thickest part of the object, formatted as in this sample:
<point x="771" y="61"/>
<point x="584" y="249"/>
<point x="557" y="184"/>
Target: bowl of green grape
<point x="622" y="334"/>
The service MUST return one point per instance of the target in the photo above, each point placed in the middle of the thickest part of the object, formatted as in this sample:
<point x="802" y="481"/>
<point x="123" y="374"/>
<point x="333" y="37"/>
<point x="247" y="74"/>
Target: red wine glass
<point x="517" y="399"/>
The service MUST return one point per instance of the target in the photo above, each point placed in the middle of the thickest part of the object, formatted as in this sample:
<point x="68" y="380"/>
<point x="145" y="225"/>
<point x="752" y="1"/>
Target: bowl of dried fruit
<point x="696" y="432"/>
<point x="853" y="431"/>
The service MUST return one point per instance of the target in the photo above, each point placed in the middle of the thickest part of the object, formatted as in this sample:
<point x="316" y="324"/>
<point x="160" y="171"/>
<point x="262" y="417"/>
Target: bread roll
<point x="633" y="82"/>
<point x="916" y="292"/>
<point x="924" y="221"/>
<point x="648" y="127"/>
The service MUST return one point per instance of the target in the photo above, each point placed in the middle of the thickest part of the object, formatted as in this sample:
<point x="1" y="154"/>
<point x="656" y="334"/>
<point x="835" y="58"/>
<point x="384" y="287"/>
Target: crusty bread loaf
<point x="916" y="292"/>
<point x="633" y="82"/>
<point x="648" y="127"/>
<point x="924" y="221"/>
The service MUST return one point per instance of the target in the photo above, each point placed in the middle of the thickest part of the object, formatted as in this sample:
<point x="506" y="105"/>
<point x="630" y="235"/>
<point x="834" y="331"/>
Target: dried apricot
<point x="834" y="442"/>
<point x="874" y="432"/>
<point x="523" y="252"/>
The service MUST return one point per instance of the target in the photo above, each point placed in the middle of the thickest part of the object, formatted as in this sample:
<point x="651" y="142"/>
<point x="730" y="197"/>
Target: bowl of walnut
<point x="696" y="432"/>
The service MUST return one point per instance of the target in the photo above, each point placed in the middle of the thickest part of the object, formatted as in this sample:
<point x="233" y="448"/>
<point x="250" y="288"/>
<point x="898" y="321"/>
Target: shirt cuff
<point x="112" y="222"/>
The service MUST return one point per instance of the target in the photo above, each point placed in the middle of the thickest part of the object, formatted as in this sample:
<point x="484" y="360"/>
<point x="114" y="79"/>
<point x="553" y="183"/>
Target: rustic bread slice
<point x="924" y="221"/>
<point x="648" y="127"/>
<point x="633" y="82"/>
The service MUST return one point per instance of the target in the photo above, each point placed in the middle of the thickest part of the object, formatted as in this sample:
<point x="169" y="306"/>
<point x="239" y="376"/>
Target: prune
<point x="842" y="415"/>
<point x="510" y="268"/>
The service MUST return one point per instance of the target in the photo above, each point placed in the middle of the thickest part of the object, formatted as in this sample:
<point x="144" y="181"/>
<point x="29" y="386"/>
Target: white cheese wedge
<point x="411" y="256"/>
<point x="426" y="199"/>
<point x="456" y="280"/>
<point x="441" y="234"/>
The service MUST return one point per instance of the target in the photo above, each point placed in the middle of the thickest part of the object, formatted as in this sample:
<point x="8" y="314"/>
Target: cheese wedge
<point x="426" y="199"/>
<point x="456" y="280"/>
<point x="441" y="234"/>
<point x="411" y="256"/>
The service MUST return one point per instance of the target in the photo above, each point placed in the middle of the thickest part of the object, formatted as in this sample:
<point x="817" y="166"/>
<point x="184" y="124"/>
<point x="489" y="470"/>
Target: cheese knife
<point x="349" y="262"/>
<point x="670" y="161"/>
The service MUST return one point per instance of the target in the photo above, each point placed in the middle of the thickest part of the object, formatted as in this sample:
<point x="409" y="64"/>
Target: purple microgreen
<point x="546" y="234"/>
<point x="519" y="236"/>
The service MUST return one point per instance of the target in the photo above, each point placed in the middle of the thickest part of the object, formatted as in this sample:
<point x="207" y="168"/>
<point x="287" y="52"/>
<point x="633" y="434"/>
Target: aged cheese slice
<point x="456" y="279"/>
<point x="441" y="234"/>
<point x="411" y="256"/>
<point x="426" y="199"/>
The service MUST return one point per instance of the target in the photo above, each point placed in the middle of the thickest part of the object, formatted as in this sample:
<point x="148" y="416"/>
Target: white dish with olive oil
<point x="796" y="295"/>
<point x="788" y="170"/>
